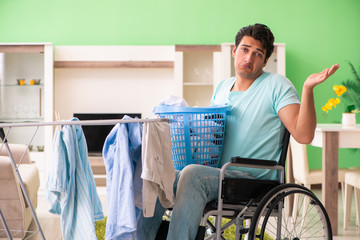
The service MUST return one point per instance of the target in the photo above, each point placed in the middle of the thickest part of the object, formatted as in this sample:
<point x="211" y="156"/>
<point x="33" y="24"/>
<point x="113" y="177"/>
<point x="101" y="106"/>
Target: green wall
<point x="317" y="33"/>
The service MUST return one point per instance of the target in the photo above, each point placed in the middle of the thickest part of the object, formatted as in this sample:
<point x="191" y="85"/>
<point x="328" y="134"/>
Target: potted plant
<point x="349" y="92"/>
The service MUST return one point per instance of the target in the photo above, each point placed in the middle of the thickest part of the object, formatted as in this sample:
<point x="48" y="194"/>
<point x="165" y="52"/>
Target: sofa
<point x="13" y="204"/>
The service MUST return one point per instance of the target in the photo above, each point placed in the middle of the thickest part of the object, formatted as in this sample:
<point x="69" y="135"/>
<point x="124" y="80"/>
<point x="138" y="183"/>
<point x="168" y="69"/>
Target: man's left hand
<point x="317" y="78"/>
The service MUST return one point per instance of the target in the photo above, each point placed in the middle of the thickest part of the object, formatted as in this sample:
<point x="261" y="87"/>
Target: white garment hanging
<point x="158" y="171"/>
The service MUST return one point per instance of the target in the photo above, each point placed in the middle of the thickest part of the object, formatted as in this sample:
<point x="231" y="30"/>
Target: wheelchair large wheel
<point x="277" y="218"/>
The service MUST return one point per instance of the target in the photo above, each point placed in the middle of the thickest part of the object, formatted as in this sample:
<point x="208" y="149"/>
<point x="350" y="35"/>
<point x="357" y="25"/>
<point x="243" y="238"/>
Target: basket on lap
<point x="197" y="133"/>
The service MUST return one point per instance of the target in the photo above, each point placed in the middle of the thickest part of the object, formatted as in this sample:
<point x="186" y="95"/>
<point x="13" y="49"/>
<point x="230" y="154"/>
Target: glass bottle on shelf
<point x="20" y="85"/>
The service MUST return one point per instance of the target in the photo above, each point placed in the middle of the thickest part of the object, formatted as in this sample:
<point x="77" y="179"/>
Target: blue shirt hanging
<point x="122" y="152"/>
<point x="70" y="187"/>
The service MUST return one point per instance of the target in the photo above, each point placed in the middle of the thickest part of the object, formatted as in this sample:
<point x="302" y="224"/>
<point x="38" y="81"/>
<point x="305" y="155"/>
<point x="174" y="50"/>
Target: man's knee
<point x="191" y="170"/>
<point x="193" y="173"/>
<point x="198" y="182"/>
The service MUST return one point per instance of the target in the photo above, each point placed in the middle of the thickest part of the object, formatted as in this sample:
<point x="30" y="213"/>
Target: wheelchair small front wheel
<point x="277" y="217"/>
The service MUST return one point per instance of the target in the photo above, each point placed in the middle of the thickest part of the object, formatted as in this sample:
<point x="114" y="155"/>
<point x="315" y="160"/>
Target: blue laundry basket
<point x="197" y="133"/>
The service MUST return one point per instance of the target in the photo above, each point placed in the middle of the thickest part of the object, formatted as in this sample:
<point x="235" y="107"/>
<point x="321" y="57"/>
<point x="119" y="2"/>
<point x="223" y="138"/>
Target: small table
<point x="331" y="137"/>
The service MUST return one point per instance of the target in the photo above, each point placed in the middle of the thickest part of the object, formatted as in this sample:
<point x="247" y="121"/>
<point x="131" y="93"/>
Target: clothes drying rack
<point x="4" y="135"/>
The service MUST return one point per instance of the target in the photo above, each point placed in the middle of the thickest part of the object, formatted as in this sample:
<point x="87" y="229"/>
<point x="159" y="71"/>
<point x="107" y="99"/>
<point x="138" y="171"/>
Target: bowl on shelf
<point x="40" y="148"/>
<point x="20" y="81"/>
<point x="37" y="81"/>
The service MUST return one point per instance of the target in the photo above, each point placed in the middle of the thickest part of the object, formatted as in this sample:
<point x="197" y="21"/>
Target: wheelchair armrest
<point x="240" y="160"/>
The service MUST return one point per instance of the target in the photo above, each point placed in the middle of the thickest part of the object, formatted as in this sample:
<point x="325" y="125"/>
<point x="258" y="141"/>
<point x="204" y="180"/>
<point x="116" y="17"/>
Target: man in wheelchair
<point x="263" y="105"/>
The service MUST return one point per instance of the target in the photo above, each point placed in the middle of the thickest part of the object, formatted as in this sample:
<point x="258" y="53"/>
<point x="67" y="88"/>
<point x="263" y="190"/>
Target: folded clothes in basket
<point x="172" y="100"/>
<point x="204" y="148"/>
<point x="204" y="126"/>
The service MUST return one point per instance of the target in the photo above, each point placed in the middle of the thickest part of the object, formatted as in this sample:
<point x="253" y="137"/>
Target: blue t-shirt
<point x="253" y="127"/>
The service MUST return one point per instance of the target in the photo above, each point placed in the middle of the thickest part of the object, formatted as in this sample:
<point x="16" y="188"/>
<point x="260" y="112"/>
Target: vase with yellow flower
<point x="349" y="92"/>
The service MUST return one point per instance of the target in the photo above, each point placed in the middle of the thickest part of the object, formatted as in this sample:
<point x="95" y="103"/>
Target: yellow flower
<point x="331" y="103"/>
<point x="334" y="102"/>
<point x="339" y="90"/>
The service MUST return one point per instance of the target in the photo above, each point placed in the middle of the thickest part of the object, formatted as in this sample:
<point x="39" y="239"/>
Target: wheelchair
<point x="266" y="210"/>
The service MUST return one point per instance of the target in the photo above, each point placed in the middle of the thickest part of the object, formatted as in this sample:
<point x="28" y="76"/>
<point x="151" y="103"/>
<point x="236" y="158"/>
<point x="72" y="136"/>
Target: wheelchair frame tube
<point x="221" y="178"/>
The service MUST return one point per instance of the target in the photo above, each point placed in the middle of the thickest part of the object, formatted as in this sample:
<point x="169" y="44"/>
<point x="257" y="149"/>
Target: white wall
<point x="112" y="90"/>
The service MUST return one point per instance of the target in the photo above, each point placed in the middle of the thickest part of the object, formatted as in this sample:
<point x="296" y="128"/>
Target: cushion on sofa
<point x="17" y="151"/>
<point x="31" y="178"/>
<point x="13" y="204"/>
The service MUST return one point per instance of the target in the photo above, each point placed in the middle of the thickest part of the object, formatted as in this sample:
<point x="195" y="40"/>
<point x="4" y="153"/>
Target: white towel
<point x="158" y="171"/>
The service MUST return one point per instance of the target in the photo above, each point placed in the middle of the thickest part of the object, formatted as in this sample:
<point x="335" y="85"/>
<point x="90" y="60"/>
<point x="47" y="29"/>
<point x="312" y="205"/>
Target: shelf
<point x="20" y="120"/>
<point x="197" y="84"/>
<point x="21" y="48"/>
<point x="96" y="161"/>
<point x="113" y="64"/>
<point x="17" y="85"/>
<point x="198" y="48"/>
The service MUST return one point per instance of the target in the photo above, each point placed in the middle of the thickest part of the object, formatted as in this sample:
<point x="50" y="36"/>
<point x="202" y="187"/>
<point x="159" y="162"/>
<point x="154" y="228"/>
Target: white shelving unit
<point x="196" y="72"/>
<point x="200" y="68"/>
<point x="28" y="103"/>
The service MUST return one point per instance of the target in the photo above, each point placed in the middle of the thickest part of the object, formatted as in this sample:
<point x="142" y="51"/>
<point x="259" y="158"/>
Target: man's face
<point x="249" y="58"/>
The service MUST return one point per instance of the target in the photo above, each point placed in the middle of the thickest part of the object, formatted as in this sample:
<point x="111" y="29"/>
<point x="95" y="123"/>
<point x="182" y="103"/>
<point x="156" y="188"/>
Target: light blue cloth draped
<point x="70" y="189"/>
<point x="121" y="152"/>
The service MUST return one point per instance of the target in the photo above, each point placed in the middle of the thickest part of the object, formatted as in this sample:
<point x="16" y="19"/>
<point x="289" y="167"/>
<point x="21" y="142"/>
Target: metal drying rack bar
<point x="4" y="142"/>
